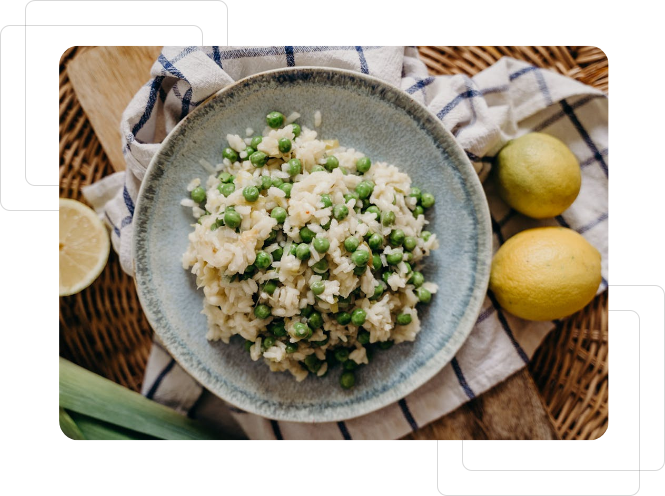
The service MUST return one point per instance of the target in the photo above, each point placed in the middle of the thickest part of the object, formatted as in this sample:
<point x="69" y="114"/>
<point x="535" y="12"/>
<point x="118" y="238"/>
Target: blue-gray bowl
<point x="363" y="113"/>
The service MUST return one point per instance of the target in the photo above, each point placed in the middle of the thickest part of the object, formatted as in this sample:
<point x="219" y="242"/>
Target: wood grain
<point x="105" y="79"/>
<point x="510" y="410"/>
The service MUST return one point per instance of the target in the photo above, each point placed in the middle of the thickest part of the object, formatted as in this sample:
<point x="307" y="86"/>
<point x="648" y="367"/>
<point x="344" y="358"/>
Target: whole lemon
<point x="538" y="175"/>
<point x="545" y="273"/>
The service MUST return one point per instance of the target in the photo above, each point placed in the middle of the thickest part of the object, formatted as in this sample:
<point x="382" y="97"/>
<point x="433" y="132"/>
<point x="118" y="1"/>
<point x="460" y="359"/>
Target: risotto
<point x="308" y="250"/>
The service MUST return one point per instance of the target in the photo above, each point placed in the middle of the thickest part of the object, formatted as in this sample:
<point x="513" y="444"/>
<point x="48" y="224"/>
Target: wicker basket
<point x="104" y="330"/>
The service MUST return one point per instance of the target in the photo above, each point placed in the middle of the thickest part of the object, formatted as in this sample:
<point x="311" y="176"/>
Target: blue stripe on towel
<point x="585" y="136"/>
<point x="276" y="430"/>
<point x="455" y="101"/>
<point x="152" y="99"/>
<point x="129" y="203"/>
<point x="407" y="414"/>
<point x="290" y="59"/>
<point x="506" y="328"/>
<point x="115" y="229"/>
<point x="363" y="61"/>
<point x="344" y="431"/>
<point x="155" y="385"/>
<point x="420" y="85"/>
<point x="461" y="379"/>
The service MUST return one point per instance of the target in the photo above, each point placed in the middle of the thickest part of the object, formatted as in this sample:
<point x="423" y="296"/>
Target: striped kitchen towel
<point x="483" y="112"/>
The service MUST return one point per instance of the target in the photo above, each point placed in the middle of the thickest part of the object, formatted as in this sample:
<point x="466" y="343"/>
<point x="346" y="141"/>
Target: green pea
<point x="385" y="276"/>
<point x="427" y="200"/>
<point x="232" y="218"/>
<point x="307" y="311"/>
<point x="327" y="202"/>
<point x="270" y="287"/>
<point x="408" y="256"/>
<point x="277" y="182"/>
<point x="291" y="347"/>
<point x="417" y="279"/>
<point x="318" y="168"/>
<point x="263" y="260"/>
<point x="375" y="241"/>
<point x="358" y="316"/>
<point x="322" y="342"/>
<point x="230" y="153"/>
<point x="386" y="345"/>
<point x="387" y="218"/>
<point x="343" y="318"/>
<point x="256" y="141"/>
<point x="226" y="188"/>
<point x="326" y="226"/>
<point x="376" y="261"/>
<point x="363" y="164"/>
<point x="347" y="380"/>
<point x="266" y="182"/>
<point x="294" y="167"/>
<point x="301" y="331"/>
<point x="318" y="287"/>
<point x="249" y="151"/>
<point x="315" y="320"/>
<point x="364" y="189"/>
<point x="262" y="311"/>
<point x="395" y="257"/>
<point x="293" y="249"/>
<point x="248" y="344"/>
<point x="349" y="365"/>
<point x="351" y="243"/>
<point x="363" y="337"/>
<point x="418" y="211"/>
<point x="277" y="328"/>
<point x="286" y="187"/>
<point x="403" y="319"/>
<point x="378" y="290"/>
<point x="344" y="171"/>
<point x="374" y="210"/>
<point x="410" y="243"/>
<point x="258" y="159"/>
<point x="415" y="193"/>
<point x="360" y="257"/>
<point x="351" y="195"/>
<point x="342" y="354"/>
<point x="296" y="129"/>
<point x="332" y="163"/>
<point x="279" y="214"/>
<point x="340" y="212"/>
<point x="271" y="238"/>
<point x="408" y="268"/>
<point x="397" y="237"/>
<point x="322" y="265"/>
<point x="275" y="119"/>
<point x="359" y="270"/>
<point x="249" y="271"/>
<point x="225" y="177"/>
<point x="425" y="235"/>
<point x="312" y="363"/>
<point x="278" y="254"/>
<point x="321" y="244"/>
<point x="424" y="296"/>
<point x="268" y="342"/>
<point x="307" y="235"/>
<point x="284" y="145"/>
<point x="251" y="193"/>
<point x="302" y="252"/>
<point x="198" y="194"/>
<point x="343" y="303"/>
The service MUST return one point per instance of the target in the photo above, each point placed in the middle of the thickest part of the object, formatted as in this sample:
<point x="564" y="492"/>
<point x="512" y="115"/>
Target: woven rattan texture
<point x="104" y="330"/>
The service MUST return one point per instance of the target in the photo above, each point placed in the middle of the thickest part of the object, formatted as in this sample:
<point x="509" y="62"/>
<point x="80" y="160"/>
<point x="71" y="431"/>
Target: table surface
<point x="511" y="410"/>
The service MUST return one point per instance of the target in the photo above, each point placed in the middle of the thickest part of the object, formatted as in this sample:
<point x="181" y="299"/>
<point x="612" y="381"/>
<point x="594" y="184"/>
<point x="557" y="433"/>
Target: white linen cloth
<point x="483" y="112"/>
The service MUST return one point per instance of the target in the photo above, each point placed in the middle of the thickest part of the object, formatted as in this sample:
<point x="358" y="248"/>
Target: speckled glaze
<point x="363" y="113"/>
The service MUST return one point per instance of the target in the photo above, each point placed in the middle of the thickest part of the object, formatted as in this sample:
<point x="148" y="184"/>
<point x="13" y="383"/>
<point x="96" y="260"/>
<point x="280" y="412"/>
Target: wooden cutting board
<point x="106" y="78"/>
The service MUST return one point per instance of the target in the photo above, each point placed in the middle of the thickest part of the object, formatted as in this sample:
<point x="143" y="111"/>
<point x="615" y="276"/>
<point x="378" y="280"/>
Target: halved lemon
<point x="84" y="246"/>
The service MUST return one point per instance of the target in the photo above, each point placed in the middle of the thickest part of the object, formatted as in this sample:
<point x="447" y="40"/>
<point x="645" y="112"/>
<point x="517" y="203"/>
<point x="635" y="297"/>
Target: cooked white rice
<point x="219" y="255"/>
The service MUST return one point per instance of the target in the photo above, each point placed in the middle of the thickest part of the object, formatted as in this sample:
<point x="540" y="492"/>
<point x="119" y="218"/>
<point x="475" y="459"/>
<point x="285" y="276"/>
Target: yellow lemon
<point x="538" y="175"/>
<point x="84" y="246"/>
<point x="545" y="273"/>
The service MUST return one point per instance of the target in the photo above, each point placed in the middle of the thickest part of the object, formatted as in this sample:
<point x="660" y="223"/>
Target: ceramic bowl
<point x="363" y="113"/>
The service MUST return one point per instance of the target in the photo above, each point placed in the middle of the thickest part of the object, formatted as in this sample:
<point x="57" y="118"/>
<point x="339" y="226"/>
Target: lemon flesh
<point x="538" y="175"/>
<point x="545" y="273"/>
<point x="84" y="246"/>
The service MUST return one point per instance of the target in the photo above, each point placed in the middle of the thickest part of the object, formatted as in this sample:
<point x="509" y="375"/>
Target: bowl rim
<point x="466" y="323"/>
